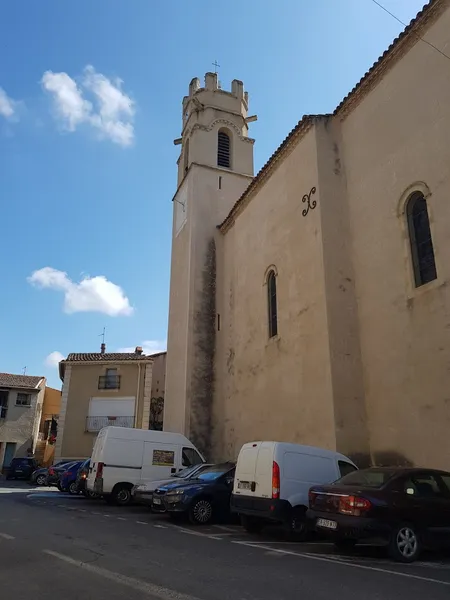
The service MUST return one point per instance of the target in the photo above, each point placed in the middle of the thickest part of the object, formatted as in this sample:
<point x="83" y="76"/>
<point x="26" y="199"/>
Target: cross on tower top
<point x="215" y="65"/>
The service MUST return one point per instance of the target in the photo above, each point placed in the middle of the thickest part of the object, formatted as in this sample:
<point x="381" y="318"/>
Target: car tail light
<point x="51" y="471"/>
<point x="99" y="473"/>
<point x="312" y="498"/>
<point x="275" y="480"/>
<point x="354" y="505"/>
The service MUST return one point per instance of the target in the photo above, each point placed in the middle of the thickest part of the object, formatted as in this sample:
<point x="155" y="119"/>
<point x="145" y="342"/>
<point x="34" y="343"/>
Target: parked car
<point x="81" y="479"/>
<point x="123" y="457"/>
<point x="143" y="493"/>
<point x="203" y="498"/>
<point x="56" y="470"/>
<point x="408" y="509"/>
<point x="21" y="468"/>
<point x="40" y="475"/>
<point x="68" y="480"/>
<point x="273" y="480"/>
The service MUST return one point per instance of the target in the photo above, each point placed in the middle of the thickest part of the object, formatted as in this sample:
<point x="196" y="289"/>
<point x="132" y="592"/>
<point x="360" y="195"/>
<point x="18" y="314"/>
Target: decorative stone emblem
<point x="310" y="204"/>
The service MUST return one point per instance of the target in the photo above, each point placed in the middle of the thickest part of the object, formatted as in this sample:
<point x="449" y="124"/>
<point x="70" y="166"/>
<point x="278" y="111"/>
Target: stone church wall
<point x="396" y="140"/>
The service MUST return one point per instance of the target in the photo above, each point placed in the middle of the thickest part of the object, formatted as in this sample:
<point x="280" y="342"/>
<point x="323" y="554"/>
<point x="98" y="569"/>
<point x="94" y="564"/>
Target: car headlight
<point x="175" y="493"/>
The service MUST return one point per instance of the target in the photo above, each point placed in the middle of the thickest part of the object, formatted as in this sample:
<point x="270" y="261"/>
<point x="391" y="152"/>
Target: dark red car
<point x="408" y="509"/>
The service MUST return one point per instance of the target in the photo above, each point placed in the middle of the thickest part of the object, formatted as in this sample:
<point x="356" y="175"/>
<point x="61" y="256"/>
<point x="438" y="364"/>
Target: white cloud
<point x="70" y="105"/>
<point x="7" y="105"/>
<point x="148" y="347"/>
<point x="111" y="111"/>
<point x="54" y="358"/>
<point x="91" y="294"/>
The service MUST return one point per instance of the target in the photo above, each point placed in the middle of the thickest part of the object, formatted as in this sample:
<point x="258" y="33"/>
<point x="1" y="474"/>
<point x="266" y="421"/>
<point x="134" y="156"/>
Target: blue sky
<point x="89" y="108"/>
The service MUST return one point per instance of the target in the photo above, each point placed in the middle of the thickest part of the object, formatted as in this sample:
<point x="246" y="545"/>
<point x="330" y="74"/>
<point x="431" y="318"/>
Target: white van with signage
<point x="124" y="457"/>
<point x="272" y="482"/>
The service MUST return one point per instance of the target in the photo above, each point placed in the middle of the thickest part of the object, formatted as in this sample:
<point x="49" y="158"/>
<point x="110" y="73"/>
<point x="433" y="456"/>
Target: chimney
<point x="138" y="350"/>
<point x="103" y="348"/>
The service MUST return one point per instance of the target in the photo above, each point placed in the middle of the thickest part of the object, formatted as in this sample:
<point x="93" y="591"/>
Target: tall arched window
<point x="186" y="156"/>
<point x="272" y="303"/>
<point x="223" y="149"/>
<point x="422" y="252"/>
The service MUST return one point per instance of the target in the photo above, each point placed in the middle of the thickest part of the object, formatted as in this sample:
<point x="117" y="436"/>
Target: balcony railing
<point x="97" y="423"/>
<point x="109" y="382"/>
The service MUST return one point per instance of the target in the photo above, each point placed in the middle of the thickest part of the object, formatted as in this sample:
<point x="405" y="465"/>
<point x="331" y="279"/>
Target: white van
<point x="123" y="457"/>
<point x="272" y="482"/>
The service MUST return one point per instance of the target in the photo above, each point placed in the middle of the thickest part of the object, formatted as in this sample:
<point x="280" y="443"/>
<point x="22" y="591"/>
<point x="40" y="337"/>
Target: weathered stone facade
<point x="360" y="359"/>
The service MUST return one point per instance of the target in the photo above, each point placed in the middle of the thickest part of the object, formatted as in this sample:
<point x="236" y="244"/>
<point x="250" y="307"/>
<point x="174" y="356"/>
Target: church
<point x="310" y="303"/>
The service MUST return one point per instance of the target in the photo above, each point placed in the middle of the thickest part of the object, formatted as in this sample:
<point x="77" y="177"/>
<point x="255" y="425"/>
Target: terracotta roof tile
<point x="19" y="381"/>
<point x="107" y="356"/>
<point x="425" y="10"/>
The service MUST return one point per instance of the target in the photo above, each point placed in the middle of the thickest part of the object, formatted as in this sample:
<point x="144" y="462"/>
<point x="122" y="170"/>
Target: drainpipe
<point x="136" y="404"/>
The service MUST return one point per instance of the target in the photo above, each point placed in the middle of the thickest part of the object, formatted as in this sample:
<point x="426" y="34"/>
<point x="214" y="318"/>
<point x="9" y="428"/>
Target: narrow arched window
<point x="272" y="303"/>
<point x="422" y="252"/>
<point x="186" y="156"/>
<point x="223" y="149"/>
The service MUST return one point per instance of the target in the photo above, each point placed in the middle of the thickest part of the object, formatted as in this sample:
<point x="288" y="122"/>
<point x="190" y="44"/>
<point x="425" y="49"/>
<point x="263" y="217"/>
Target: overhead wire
<point x="406" y="25"/>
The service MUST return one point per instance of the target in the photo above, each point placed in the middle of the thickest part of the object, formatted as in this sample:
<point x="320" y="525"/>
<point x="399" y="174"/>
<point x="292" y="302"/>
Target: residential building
<point x="310" y="303"/>
<point x="21" y="399"/>
<point x="101" y="389"/>
<point x="48" y="428"/>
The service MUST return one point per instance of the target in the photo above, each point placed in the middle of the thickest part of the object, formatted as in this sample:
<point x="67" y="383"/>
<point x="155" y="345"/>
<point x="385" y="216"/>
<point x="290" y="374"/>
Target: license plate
<point x="156" y="500"/>
<point x="244" y="485"/>
<point x="326" y="523"/>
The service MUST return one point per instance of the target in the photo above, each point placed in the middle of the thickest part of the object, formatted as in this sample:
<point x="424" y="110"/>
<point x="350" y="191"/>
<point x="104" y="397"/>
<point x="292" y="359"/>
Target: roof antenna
<point x="103" y="345"/>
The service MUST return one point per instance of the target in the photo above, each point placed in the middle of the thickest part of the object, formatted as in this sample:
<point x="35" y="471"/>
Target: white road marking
<point x="227" y="528"/>
<point x="119" y="518"/>
<point x="6" y="536"/>
<point x="106" y="515"/>
<point x="144" y="523"/>
<point x="158" y="526"/>
<point x="341" y="562"/>
<point x="197" y="533"/>
<point x="150" y="589"/>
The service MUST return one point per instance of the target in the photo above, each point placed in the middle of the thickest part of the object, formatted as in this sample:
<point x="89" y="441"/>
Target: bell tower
<point x="215" y="166"/>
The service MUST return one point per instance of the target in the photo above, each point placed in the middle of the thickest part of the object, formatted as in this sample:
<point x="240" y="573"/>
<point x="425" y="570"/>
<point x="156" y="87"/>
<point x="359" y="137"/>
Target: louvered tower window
<point x="223" y="149"/>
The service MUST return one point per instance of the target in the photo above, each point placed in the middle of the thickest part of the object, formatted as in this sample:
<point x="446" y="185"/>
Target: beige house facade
<point x="101" y="389"/>
<point x="310" y="303"/>
<point x="21" y="400"/>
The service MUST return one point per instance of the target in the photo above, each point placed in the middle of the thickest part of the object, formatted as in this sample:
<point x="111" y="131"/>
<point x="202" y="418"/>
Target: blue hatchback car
<point x="203" y="498"/>
<point x="68" y="480"/>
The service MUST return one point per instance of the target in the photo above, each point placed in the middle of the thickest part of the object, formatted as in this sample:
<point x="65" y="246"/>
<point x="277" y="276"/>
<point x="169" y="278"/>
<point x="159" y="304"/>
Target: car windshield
<point x="213" y="473"/>
<point x="374" y="478"/>
<point x="186" y="472"/>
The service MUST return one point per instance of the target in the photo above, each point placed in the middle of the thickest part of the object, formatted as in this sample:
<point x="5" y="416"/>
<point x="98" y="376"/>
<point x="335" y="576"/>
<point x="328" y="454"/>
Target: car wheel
<point x="252" y="524"/>
<point x="345" y="545"/>
<point x="59" y="486"/>
<point x="40" y="480"/>
<point x="201" y="512"/>
<point x="92" y="495"/>
<point x="405" y="545"/>
<point x="121" y="496"/>
<point x="73" y="488"/>
<point x="297" y="527"/>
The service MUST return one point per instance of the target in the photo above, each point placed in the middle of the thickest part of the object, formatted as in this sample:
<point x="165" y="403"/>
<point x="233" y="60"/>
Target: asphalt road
<point x="53" y="545"/>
